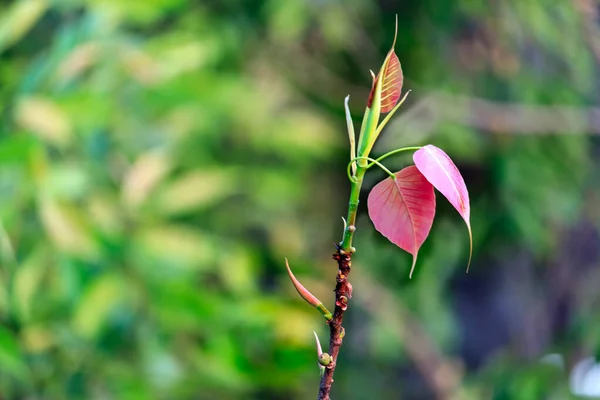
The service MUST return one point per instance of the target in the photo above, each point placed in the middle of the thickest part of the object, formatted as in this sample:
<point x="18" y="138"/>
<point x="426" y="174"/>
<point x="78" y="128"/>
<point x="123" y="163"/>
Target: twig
<point x="343" y="288"/>
<point x="343" y="292"/>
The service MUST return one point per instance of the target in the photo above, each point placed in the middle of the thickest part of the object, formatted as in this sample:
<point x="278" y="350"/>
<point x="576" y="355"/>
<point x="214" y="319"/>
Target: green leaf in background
<point x="92" y="312"/>
<point x="12" y="362"/>
<point x="18" y="19"/>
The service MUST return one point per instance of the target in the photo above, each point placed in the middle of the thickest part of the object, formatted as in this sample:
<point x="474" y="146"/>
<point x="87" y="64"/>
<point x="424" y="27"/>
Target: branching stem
<point x="343" y="256"/>
<point x="343" y="288"/>
<point x="391" y="153"/>
<point x="353" y="162"/>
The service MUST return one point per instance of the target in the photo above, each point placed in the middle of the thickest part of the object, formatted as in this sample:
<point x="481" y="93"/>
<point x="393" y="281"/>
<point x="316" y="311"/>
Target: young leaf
<point x="391" y="80"/>
<point x="441" y="172"/>
<point x="306" y="295"/>
<point x="391" y="84"/>
<point x="319" y="353"/>
<point x="385" y="93"/>
<point x="402" y="209"/>
<point x="351" y="134"/>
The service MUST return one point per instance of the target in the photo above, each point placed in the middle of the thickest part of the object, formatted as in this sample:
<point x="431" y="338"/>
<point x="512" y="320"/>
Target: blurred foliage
<point x="158" y="159"/>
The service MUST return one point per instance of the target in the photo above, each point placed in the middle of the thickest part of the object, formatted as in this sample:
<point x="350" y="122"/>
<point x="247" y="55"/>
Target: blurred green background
<point x="160" y="158"/>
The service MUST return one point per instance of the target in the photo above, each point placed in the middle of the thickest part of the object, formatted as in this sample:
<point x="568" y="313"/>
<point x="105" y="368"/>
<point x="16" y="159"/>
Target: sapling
<point x="401" y="207"/>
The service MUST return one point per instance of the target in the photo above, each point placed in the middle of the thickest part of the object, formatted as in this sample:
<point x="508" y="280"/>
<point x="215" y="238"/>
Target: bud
<point x="325" y="359"/>
<point x="308" y="296"/>
<point x="319" y="353"/>
<point x="384" y="96"/>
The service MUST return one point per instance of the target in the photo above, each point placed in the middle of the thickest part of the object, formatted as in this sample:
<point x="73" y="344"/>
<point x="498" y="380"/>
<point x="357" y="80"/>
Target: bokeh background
<point x="159" y="159"/>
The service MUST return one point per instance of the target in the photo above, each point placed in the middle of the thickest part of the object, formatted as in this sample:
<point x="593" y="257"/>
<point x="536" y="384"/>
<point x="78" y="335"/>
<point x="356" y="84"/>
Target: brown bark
<point x="343" y="293"/>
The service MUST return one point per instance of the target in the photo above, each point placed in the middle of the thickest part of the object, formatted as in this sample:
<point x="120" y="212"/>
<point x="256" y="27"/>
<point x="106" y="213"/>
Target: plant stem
<point x="356" y="184"/>
<point x="391" y="153"/>
<point x="343" y="256"/>
<point x="343" y="288"/>
<point x="373" y="162"/>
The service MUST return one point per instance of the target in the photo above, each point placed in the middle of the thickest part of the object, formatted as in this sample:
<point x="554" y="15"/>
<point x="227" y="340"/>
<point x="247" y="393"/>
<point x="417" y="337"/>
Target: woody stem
<point x="343" y="288"/>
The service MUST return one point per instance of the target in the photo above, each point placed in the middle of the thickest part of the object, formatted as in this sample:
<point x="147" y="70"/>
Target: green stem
<point x="391" y="153"/>
<point x="323" y="310"/>
<point x="343" y="289"/>
<point x="356" y="184"/>
<point x="373" y="162"/>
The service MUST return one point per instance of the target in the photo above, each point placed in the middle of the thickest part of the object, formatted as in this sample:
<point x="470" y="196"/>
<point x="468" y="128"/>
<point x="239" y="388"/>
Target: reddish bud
<point x="306" y="295"/>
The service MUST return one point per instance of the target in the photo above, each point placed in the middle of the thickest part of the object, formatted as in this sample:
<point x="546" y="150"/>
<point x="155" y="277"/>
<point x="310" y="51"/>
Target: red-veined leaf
<point x="439" y="169"/>
<point x="402" y="210"/>
<point x="384" y="96"/>
<point x="391" y="84"/>
<point x="391" y="80"/>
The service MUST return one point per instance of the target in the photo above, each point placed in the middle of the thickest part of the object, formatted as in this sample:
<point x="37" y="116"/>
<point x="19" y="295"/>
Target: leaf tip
<point x="470" y="247"/>
<point x="351" y="134"/>
<point x="319" y="354"/>
<point x="319" y="348"/>
<point x="395" y="33"/>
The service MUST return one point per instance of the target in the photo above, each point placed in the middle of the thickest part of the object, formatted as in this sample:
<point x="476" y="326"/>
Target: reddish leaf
<point x="402" y="210"/>
<point x="302" y="291"/>
<point x="391" y="84"/>
<point x="439" y="169"/>
<point x="306" y="295"/>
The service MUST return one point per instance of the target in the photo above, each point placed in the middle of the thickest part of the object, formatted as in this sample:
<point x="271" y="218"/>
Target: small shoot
<point x="319" y="355"/>
<point x="402" y="206"/>
<point x="385" y="93"/>
<point x="308" y="296"/>
<point x="351" y="134"/>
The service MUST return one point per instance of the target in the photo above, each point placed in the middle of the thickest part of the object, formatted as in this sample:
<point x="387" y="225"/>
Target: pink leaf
<point x="439" y="169"/>
<point x="302" y="291"/>
<point x="402" y="210"/>
<point x="391" y="85"/>
<point x="391" y="80"/>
